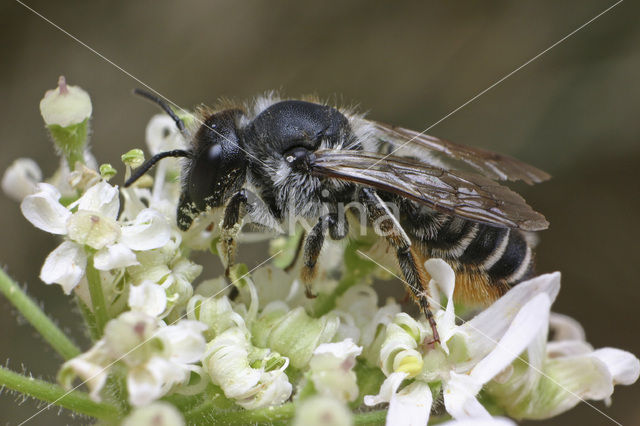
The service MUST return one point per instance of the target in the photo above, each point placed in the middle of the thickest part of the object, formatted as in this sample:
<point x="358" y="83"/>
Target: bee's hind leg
<point x="231" y="223"/>
<point x="338" y="229"/>
<point x="415" y="276"/>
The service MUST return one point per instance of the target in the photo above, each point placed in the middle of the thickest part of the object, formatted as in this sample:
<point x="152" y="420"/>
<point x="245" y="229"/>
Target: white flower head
<point x="157" y="357"/>
<point x="502" y="350"/>
<point x="229" y="364"/>
<point x="91" y="221"/>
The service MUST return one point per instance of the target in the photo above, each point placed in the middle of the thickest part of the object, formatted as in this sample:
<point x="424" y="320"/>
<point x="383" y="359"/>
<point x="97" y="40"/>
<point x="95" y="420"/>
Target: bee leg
<point x="338" y="229"/>
<point x="296" y="255"/>
<point x="231" y="223"/>
<point x="384" y="223"/>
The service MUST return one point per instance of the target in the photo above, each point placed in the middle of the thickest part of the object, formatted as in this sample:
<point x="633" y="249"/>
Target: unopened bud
<point x="66" y="111"/>
<point x="133" y="158"/>
<point x="107" y="171"/>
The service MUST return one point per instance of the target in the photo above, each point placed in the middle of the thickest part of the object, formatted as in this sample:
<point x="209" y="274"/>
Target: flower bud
<point x="66" y="111"/>
<point x="107" y="171"/>
<point x="133" y="158"/>
<point x="294" y="334"/>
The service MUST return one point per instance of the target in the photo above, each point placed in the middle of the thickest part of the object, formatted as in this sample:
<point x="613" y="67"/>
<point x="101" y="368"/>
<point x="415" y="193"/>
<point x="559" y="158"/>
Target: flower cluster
<point x="165" y="353"/>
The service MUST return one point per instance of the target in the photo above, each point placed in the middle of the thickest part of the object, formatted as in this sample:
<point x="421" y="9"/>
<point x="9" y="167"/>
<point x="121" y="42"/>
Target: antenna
<point x="155" y="99"/>
<point x="152" y="161"/>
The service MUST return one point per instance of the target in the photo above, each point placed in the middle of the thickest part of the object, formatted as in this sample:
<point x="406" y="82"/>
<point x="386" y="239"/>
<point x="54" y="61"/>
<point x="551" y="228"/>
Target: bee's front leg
<point x="383" y="221"/>
<point x="231" y="223"/>
<point x="338" y="229"/>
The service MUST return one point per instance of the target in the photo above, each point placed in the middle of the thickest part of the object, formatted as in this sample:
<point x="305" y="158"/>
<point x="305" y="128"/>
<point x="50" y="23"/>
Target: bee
<point x="304" y="159"/>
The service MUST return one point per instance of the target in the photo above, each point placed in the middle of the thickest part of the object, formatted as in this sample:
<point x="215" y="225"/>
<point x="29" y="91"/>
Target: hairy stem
<point x="78" y="402"/>
<point x="97" y="297"/>
<point x="40" y="321"/>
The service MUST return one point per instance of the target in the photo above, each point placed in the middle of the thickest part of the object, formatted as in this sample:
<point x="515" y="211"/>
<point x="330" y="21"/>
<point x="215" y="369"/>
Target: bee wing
<point x="465" y="194"/>
<point x="495" y="166"/>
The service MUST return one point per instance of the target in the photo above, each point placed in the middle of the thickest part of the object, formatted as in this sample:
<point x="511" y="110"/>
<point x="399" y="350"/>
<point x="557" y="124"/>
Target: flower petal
<point x="93" y="229"/>
<point x="148" y="297"/>
<point x="162" y="134"/>
<point x="532" y="318"/>
<point x="489" y="326"/>
<point x="185" y="341"/>
<point x="44" y="211"/>
<point x="149" y="381"/>
<point x="114" y="256"/>
<point x="331" y="369"/>
<point x="623" y="366"/>
<point x="65" y="266"/>
<point x="565" y="328"/>
<point x="529" y="323"/>
<point x="460" y="397"/>
<point x="494" y="421"/>
<point x="148" y="231"/>
<point x="21" y="178"/>
<point x="102" y="198"/>
<point x="387" y="390"/>
<point x="443" y="276"/>
<point x="411" y="406"/>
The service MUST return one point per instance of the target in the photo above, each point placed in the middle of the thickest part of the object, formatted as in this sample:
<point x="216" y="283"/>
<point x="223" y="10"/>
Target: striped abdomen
<point x="487" y="260"/>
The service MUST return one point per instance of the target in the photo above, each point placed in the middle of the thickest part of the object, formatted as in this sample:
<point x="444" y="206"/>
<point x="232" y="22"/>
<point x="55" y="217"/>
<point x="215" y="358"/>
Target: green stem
<point x="377" y="417"/>
<point x="267" y="415"/>
<point x="260" y="415"/>
<point x="40" y="321"/>
<point x="78" y="402"/>
<point x="97" y="297"/>
<point x="89" y="320"/>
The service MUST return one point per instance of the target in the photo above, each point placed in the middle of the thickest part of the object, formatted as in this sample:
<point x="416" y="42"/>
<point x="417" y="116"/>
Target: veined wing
<point x="465" y="194"/>
<point x="493" y="165"/>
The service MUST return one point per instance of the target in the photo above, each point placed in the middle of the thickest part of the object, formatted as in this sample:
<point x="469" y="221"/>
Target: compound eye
<point x="297" y="156"/>
<point x="215" y="154"/>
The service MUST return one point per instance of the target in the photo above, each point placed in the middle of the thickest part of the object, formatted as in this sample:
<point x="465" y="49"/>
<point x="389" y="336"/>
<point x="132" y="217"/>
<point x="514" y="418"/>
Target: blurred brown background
<point x="572" y="112"/>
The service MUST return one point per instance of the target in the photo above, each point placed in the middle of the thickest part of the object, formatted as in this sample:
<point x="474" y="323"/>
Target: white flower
<point x="21" y="178"/>
<point x="360" y="304"/>
<point x="91" y="366"/>
<point x="244" y="376"/>
<point x="410" y="406"/>
<point x="148" y="297"/>
<point x="92" y="224"/>
<point x="331" y="369"/>
<point x="561" y="373"/>
<point x="157" y="358"/>
<point x="167" y="267"/>
<point x="216" y="313"/>
<point x="501" y="349"/>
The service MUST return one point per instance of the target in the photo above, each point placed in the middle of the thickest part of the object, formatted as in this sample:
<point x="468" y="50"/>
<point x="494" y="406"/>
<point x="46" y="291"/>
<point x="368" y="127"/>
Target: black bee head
<point x="218" y="165"/>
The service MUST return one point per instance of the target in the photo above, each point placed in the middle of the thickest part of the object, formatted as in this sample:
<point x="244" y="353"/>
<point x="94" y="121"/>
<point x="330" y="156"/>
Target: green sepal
<point x="71" y="141"/>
